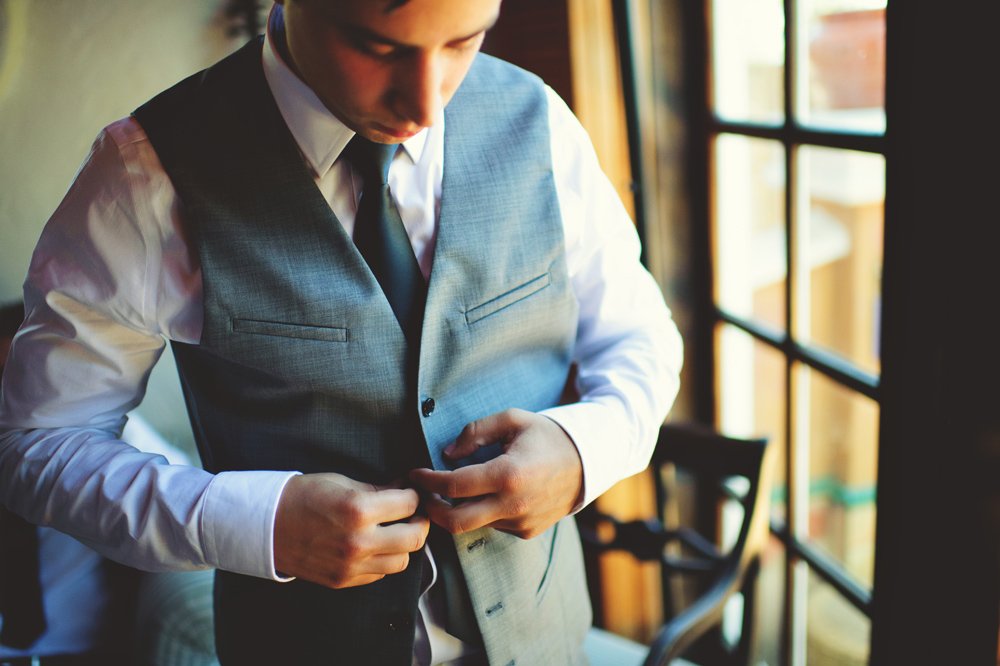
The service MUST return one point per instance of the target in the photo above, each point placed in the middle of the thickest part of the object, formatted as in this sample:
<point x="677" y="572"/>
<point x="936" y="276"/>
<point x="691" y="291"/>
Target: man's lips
<point x="398" y="134"/>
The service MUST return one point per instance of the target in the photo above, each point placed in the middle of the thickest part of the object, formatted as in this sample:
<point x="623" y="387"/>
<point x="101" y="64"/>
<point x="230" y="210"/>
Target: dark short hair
<point x="11" y="316"/>
<point x="393" y="5"/>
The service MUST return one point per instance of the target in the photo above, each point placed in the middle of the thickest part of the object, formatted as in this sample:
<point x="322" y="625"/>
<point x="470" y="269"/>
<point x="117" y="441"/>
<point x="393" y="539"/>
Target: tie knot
<point x="370" y="158"/>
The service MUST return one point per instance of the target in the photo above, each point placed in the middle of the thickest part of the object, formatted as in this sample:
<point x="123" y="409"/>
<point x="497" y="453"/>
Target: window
<point x="795" y="200"/>
<point x="767" y="242"/>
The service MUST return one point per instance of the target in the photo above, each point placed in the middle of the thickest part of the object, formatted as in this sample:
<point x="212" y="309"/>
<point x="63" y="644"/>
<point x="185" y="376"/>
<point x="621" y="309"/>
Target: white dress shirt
<point x="75" y="590"/>
<point x="115" y="272"/>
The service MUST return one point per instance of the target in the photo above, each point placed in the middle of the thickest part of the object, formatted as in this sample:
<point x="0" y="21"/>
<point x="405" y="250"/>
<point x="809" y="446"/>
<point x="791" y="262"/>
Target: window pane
<point x="843" y="220"/>
<point x="842" y="63"/>
<point x="751" y="399"/>
<point x="748" y="54"/>
<point x="750" y="254"/>
<point x="770" y="605"/>
<point x="843" y="462"/>
<point x="837" y="632"/>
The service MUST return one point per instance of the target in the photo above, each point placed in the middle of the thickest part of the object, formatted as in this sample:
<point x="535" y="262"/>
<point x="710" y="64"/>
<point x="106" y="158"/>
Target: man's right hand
<point x="338" y="532"/>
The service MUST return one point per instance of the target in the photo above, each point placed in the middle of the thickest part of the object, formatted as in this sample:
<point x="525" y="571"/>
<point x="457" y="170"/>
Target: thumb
<point x="501" y="427"/>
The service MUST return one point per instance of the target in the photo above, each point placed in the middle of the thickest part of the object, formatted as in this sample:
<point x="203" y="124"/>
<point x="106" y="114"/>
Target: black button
<point x="427" y="407"/>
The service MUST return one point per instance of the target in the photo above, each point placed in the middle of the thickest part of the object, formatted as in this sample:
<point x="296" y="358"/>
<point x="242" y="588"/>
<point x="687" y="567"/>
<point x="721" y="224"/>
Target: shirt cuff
<point x="604" y="444"/>
<point x="238" y="521"/>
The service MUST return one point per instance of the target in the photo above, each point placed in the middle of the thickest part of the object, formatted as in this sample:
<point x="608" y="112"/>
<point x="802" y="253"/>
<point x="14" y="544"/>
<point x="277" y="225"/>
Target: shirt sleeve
<point x="112" y="276"/>
<point x="628" y="350"/>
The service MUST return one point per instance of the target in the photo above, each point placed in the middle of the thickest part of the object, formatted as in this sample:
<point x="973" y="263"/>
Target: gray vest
<point x="302" y="365"/>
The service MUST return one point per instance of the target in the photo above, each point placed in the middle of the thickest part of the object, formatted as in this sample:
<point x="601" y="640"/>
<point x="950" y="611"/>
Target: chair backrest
<point x="713" y="460"/>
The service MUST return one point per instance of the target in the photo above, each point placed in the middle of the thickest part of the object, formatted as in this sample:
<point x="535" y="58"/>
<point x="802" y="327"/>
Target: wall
<point x="67" y="69"/>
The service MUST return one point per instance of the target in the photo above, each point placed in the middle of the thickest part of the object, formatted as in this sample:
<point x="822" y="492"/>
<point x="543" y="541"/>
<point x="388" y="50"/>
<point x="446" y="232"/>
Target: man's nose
<point x="419" y="90"/>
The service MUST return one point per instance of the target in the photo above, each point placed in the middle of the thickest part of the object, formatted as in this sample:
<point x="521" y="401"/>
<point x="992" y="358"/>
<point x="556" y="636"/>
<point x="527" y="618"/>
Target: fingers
<point x="379" y="552"/>
<point x="402" y="537"/>
<point x="536" y="481"/>
<point x="339" y="532"/>
<point x="386" y="506"/>
<point x="375" y="568"/>
<point x="471" y="481"/>
<point x="464" y="517"/>
<point x="500" y="427"/>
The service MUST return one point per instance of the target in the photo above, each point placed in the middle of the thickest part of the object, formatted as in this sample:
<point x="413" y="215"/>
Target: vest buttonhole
<point x="476" y="544"/>
<point x="495" y="608"/>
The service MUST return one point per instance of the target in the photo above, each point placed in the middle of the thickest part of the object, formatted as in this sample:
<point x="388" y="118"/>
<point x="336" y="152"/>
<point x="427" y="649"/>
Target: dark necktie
<point x="20" y="590"/>
<point x="381" y="238"/>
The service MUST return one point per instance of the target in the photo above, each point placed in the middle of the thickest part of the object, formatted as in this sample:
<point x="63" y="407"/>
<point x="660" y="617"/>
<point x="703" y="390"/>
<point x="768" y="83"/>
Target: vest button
<point x="427" y="407"/>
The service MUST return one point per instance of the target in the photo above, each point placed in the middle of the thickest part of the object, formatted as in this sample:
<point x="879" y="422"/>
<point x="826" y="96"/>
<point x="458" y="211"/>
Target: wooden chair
<point x="726" y="470"/>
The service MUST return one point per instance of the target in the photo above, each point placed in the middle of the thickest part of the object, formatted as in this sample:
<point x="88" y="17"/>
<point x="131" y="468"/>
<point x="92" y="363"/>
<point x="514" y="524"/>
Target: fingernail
<point x="450" y="449"/>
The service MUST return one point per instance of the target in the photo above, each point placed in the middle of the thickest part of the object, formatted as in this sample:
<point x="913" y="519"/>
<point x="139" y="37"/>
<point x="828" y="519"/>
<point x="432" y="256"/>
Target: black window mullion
<point x="841" y="371"/>
<point x="792" y="133"/>
<point x="791" y="480"/>
<point x="826" y="568"/>
<point x="833" y="366"/>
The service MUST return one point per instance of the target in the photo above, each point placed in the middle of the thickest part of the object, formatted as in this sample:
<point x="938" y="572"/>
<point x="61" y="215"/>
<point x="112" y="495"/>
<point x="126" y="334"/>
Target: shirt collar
<point x="321" y="136"/>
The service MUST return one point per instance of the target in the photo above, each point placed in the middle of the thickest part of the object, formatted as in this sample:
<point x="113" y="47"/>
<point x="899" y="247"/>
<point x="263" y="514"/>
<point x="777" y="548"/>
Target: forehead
<point x="414" y="22"/>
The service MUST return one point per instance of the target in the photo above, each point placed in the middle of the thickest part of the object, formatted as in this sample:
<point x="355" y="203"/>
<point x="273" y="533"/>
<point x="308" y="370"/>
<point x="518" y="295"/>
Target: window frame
<point x="791" y="135"/>
<point x="924" y="609"/>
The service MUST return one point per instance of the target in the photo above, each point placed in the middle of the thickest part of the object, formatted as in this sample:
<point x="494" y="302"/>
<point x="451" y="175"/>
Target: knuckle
<point x="514" y="481"/>
<point x="453" y="525"/>
<point x="516" y="417"/>
<point x="337" y="581"/>
<point x="401" y="563"/>
<point x="354" y="511"/>
<point x="530" y="533"/>
<point x="519" y="507"/>
<point x="353" y="547"/>
<point x="523" y="529"/>
<point x="469" y="431"/>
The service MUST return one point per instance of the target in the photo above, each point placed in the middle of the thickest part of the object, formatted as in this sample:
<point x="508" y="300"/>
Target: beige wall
<point x="67" y="69"/>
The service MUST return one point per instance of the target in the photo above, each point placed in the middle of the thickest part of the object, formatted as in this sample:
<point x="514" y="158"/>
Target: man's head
<point x="385" y="68"/>
<point x="11" y="317"/>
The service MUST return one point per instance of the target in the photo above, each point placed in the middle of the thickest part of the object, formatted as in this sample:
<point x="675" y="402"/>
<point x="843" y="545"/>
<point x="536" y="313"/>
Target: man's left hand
<point x="537" y="480"/>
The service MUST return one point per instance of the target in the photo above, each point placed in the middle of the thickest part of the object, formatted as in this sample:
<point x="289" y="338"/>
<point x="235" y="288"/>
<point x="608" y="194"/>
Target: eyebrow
<point x="370" y="35"/>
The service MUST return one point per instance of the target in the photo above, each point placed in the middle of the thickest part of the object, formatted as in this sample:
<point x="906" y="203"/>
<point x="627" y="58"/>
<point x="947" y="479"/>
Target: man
<point x="411" y="387"/>
<point x="90" y="606"/>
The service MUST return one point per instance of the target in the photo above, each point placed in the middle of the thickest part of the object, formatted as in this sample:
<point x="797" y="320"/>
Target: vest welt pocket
<point x="513" y="296"/>
<point x="301" y="331"/>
